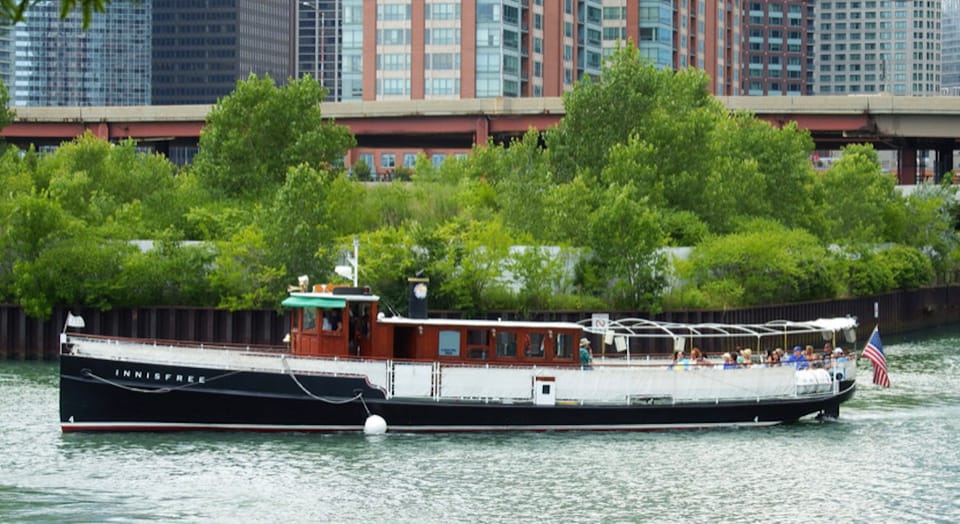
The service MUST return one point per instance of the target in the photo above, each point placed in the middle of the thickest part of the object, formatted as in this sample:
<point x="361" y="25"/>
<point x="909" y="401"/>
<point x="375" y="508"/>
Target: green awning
<point x="302" y="301"/>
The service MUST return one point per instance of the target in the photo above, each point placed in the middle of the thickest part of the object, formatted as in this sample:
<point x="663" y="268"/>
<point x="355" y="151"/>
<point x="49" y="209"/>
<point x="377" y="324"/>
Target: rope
<point x="359" y="396"/>
<point x="88" y="373"/>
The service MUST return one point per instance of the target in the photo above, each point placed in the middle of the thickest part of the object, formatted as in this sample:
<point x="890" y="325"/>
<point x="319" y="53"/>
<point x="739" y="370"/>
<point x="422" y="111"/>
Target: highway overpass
<point x="905" y="124"/>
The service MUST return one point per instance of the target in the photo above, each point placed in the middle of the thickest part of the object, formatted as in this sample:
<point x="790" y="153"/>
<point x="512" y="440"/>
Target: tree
<point x="254" y="134"/>
<point x="771" y="264"/>
<point x="608" y="111"/>
<point x="625" y="239"/>
<point x="7" y="115"/>
<point x="859" y="198"/>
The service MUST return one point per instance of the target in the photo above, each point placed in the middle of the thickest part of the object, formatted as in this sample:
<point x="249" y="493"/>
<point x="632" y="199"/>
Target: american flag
<point x="874" y="352"/>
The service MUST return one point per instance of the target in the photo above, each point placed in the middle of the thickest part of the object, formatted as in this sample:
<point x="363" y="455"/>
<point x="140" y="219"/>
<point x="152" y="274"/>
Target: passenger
<point x="773" y="357"/>
<point x="679" y="361"/>
<point x="797" y="360"/>
<point x="696" y="356"/>
<point x="838" y="364"/>
<point x="586" y="354"/>
<point x="747" y="357"/>
<point x="812" y="357"/>
<point x="827" y="351"/>
<point x="728" y="362"/>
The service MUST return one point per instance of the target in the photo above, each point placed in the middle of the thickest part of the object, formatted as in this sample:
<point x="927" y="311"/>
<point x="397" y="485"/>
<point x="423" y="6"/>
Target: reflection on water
<point x="865" y="467"/>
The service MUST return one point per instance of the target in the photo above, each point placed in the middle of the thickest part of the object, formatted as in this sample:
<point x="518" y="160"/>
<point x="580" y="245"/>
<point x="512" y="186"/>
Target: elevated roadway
<point x="906" y="124"/>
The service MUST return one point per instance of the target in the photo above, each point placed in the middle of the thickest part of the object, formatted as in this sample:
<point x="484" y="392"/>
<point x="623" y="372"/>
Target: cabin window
<point x="564" y="346"/>
<point x="331" y="319"/>
<point x="309" y="319"/>
<point x="477" y="343"/>
<point x="506" y="344"/>
<point x="533" y="345"/>
<point x="449" y="344"/>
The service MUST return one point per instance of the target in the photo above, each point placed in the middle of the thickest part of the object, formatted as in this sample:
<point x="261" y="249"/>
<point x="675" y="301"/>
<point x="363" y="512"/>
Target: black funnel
<point x="418" y="297"/>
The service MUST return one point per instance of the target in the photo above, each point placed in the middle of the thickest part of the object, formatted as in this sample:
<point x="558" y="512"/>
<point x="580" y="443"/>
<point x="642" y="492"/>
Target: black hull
<point x="97" y="395"/>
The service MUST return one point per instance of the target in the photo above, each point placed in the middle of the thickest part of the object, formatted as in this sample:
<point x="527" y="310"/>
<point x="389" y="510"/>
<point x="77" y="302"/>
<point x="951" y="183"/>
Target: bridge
<point x="906" y="124"/>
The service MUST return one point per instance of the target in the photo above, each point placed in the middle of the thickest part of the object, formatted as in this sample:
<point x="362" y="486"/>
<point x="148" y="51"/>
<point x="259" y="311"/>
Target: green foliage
<point x="929" y="222"/>
<point x="766" y="266"/>
<point x="244" y="276"/>
<point x="472" y="265"/>
<point x="72" y="270"/>
<point x="170" y="273"/>
<point x="865" y="275"/>
<point x="7" y="115"/>
<point x="625" y="237"/>
<point x="911" y="267"/>
<point x="859" y="198"/>
<point x="629" y="94"/>
<point x="256" y="133"/>
<point x="360" y="170"/>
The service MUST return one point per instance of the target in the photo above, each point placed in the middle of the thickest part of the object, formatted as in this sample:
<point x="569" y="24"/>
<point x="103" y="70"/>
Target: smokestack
<point x="418" y="297"/>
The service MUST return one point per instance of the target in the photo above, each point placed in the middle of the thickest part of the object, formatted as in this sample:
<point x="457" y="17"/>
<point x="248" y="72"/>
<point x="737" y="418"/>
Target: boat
<point x="346" y="366"/>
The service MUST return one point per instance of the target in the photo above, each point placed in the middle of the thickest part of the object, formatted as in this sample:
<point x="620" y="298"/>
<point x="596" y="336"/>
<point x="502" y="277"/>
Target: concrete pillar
<point x="943" y="163"/>
<point x="907" y="166"/>
<point x="482" y="131"/>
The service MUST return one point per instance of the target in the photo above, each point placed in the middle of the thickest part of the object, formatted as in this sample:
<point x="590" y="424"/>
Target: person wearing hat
<point x="798" y="359"/>
<point x="586" y="354"/>
<point x="838" y="364"/>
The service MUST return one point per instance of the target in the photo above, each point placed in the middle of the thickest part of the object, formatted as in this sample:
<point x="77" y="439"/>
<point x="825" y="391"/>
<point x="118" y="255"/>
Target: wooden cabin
<point x="346" y="322"/>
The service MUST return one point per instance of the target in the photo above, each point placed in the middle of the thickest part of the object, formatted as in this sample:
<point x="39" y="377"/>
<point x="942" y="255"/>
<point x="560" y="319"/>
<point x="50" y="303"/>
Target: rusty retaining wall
<point x="26" y="338"/>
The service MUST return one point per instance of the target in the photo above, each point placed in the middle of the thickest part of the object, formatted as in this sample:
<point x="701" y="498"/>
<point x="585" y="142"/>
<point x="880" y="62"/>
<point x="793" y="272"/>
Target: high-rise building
<point x="874" y="46"/>
<point x="776" y="47"/>
<point x="202" y="47"/>
<point x="676" y="34"/>
<point x="7" y="58"/>
<point x="405" y="49"/>
<point x="58" y="62"/>
<point x="950" y="50"/>
<point x="318" y="41"/>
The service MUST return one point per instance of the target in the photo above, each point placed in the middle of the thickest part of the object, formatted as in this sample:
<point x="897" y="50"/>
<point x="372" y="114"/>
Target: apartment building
<point x="778" y="48"/>
<point x="878" y="46"/>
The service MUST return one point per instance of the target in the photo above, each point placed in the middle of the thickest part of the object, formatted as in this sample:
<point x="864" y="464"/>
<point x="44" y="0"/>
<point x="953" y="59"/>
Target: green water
<point x="891" y="457"/>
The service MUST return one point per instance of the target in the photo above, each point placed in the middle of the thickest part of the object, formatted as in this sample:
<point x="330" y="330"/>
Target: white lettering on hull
<point x="156" y="376"/>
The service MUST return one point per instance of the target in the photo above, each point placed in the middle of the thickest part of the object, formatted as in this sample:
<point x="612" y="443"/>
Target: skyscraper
<point x="318" y="42"/>
<point x="59" y="63"/>
<point x="950" y="69"/>
<point x="202" y="47"/>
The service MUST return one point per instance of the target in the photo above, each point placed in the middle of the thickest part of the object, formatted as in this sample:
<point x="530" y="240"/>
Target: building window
<point x="388" y="160"/>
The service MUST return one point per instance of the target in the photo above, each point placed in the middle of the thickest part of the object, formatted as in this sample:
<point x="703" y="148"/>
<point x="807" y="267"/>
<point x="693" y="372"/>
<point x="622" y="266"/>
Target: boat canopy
<point x="313" y="301"/>
<point x="643" y="328"/>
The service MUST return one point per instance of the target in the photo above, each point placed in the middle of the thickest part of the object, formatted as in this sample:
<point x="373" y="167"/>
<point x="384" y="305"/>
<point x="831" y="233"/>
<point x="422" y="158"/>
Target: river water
<point x="893" y="456"/>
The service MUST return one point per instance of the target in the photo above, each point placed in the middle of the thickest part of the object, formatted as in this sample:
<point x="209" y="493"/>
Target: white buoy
<point x="375" y="425"/>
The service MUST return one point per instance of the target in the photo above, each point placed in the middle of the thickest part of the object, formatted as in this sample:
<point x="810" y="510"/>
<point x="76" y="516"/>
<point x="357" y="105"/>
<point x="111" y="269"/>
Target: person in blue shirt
<point x="679" y="361"/>
<point x="586" y="354"/>
<point x="797" y="359"/>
